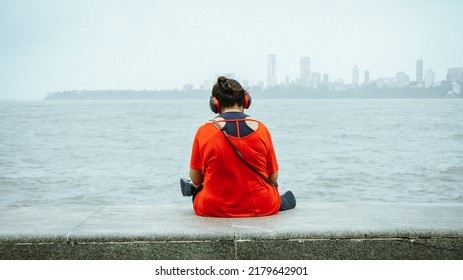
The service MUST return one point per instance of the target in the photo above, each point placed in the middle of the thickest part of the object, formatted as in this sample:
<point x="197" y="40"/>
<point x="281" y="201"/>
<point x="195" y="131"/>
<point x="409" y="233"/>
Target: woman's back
<point x="233" y="166"/>
<point x="230" y="188"/>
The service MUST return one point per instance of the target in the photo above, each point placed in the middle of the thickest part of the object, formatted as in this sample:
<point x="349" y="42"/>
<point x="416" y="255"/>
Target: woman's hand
<point x="196" y="177"/>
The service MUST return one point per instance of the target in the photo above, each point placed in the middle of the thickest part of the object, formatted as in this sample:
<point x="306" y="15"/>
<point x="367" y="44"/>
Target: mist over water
<point x="67" y="153"/>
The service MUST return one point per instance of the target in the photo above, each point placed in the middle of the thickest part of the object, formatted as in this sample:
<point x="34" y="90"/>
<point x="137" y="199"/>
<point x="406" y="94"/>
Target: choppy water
<point x="66" y="153"/>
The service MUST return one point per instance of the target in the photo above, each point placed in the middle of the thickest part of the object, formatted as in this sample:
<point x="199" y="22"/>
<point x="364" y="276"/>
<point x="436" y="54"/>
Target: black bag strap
<point x="241" y="156"/>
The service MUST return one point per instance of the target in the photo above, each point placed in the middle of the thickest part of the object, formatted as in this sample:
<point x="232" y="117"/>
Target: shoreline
<point x="278" y="92"/>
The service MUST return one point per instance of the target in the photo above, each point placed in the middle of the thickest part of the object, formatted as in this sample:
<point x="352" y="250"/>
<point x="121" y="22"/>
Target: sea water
<point x="69" y="153"/>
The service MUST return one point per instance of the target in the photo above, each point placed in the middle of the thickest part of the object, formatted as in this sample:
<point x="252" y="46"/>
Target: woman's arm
<point x="196" y="177"/>
<point x="273" y="177"/>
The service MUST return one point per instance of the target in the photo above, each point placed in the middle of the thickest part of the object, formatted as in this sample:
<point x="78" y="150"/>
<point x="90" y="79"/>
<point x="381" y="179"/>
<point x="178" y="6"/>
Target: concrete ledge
<point x="311" y="231"/>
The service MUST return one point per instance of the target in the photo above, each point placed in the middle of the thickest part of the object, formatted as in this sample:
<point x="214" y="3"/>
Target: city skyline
<point x="50" y="46"/>
<point x="309" y="78"/>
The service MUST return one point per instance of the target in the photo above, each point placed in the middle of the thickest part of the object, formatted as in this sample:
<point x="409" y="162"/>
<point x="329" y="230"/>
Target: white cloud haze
<point x="65" y="45"/>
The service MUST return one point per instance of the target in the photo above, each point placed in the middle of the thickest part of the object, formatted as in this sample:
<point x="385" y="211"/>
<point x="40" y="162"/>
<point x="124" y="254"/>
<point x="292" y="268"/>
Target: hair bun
<point x="224" y="85"/>
<point x="221" y="79"/>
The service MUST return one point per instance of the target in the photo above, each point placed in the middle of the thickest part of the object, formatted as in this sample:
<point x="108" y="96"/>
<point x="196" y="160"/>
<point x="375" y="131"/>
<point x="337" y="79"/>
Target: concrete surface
<point x="311" y="231"/>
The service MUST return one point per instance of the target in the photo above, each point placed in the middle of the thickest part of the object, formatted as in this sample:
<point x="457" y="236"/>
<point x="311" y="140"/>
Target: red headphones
<point x="214" y="103"/>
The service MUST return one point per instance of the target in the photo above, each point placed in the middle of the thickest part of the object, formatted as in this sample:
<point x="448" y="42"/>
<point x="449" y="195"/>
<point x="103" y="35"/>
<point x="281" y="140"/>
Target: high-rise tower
<point x="355" y="76"/>
<point x="429" y="78"/>
<point x="419" y="71"/>
<point x="367" y="77"/>
<point x="305" y="72"/>
<point x="271" y="71"/>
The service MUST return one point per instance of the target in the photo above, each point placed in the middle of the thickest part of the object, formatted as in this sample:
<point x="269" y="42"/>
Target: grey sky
<point x="163" y="44"/>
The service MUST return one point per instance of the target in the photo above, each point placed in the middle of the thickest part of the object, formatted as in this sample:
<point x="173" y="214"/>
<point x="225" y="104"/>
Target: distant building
<point x="402" y="79"/>
<point x="305" y="79"/>
<point x="271" y="71"/>
<point x="419" y="71"/>
<point x="287" y="81"/>
<point x="455" y="74"/>
<point x="188" y="87"/>
<point x="339" y="84"/>
<point x="367" y="77"/>
<point x="355" y="76"/>
<point x="316" y="79"/>
<point x="456" y="88"/>
<point x="429" y="78"/>
<point x="326" y="79"/>
<point x="386" y="82"/>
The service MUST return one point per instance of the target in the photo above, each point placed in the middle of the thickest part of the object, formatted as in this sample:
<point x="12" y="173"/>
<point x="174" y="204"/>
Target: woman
<point x="224" y="183"/>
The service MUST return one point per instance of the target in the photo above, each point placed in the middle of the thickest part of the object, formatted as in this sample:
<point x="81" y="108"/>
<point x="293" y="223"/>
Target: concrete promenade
<point x="311" y="231"/>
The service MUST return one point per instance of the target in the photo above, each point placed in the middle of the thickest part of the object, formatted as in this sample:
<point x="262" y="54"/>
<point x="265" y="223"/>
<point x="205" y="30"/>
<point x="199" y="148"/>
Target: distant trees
<point x="188" y="92"/>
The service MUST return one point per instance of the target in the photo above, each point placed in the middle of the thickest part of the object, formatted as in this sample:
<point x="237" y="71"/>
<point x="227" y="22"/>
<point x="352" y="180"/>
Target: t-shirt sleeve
<point x="272" y="163"/>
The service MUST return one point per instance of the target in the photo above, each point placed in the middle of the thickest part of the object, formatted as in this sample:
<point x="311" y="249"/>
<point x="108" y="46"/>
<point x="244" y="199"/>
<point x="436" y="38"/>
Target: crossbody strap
<point x="241" y="156"/>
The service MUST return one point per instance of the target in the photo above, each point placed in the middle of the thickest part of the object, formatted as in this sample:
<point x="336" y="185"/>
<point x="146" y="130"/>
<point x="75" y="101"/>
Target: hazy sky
<point x="54" y="45"/>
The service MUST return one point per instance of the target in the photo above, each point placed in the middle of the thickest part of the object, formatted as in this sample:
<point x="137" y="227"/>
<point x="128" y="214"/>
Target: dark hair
<point x="228" y="92"/>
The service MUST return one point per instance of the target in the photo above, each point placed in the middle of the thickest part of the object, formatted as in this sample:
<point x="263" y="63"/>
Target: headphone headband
<point x="214" y="103"/>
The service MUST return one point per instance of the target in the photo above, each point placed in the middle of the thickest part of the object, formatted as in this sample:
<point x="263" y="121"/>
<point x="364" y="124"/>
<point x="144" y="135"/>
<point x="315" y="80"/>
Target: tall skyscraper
<point x="419" y="71"/>
<point x="271" y="71"/>
<point x="355" y="76"/>
<point x="367" y="77"/>
<point x="305" y="72"/>
<point x="429" y="78"/>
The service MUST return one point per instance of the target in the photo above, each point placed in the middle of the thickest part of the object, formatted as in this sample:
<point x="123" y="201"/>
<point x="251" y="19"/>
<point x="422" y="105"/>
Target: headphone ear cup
<point x="214" y="104"/>
<point x="247" y="100"/>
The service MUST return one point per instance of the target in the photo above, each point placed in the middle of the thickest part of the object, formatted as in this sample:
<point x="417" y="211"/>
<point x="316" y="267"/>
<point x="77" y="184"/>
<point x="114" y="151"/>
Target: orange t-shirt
<point x="230" y="188"/>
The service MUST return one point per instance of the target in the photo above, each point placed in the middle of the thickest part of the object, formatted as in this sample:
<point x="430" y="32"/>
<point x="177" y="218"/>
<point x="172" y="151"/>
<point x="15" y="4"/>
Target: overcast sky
<point x="53" y="45"/>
